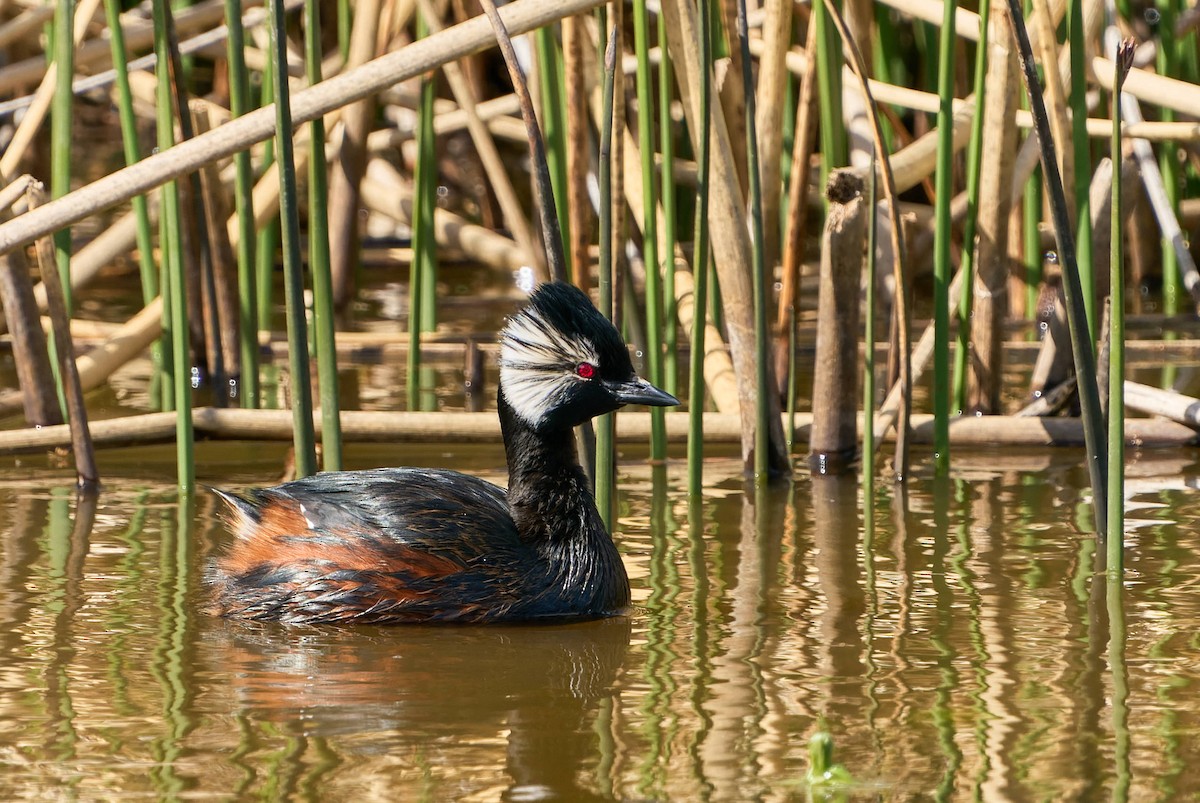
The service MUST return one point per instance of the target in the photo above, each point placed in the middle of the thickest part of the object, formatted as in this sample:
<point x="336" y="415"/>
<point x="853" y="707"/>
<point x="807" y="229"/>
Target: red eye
<point x="585" y="370"/>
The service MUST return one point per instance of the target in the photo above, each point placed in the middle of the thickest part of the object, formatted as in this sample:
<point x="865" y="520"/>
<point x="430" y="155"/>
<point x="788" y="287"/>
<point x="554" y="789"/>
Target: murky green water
<point x="959" y="647"/>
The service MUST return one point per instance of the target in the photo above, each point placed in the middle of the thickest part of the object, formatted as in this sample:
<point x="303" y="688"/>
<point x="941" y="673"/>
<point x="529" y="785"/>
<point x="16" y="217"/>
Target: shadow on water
<point x="956" y="638"/>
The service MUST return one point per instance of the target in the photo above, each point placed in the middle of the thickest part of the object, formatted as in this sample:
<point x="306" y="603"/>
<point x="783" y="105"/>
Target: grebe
<point x="421" y="545"/>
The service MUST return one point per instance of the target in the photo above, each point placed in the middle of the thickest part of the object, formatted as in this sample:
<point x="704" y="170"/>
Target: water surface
<point x="955" y="644"/>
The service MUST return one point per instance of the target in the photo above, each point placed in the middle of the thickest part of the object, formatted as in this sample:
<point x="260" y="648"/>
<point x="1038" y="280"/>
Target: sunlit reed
<point x="318" y="257"/>
<point x="304" y="438"/>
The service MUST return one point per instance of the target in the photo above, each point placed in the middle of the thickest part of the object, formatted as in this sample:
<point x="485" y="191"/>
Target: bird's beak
<point x="639" y="391"/>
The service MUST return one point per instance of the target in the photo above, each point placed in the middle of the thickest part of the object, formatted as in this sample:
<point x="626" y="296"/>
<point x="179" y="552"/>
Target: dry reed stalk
<point x="1166" y="403"/>
<point x="1148" y="87"/>
<point x="39" y="398"/>
<point x="95" y="366"/>
<point x="617" y="210"/>
<point x="36" y="113"/>
<point x="966" y="23"/>
<point x="719" y="374"/>
<point x="730" y="238"/>
<point x="387" y="192"/>
<point x="772" y="86"/>
<point x="489" y="155"/>
<point x="26" y="24"/>
<point x="834" y="436"/>
<point x="579" y="207"/>
<point x="60" y="319"/>
<point x="437" y="427"/>
<point x="995" y="203"/>
<point x="96" y="53"/>
<point x="349" y="162"/>
<point x="339" y="91"/>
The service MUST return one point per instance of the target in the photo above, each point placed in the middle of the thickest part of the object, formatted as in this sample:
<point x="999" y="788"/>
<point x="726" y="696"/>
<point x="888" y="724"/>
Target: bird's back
<point x="387" y="545"/>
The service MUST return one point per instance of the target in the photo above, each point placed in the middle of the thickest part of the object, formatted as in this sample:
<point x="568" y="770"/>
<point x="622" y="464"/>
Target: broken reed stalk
<point x="765" y="391"/>
<point x="970" y="217"/>
<point x="318" y="257"/>
<point x="700" y="259"/>
<point x="606" y="424"/>
<point x="86" y="473"/>
<point x="1085" y="367"/>
<point x="239" y="105"/>
<point x="177" y="388"/>
<point x="653" y="300"/>
<point x="941" y="235"/>
<point x="289" y="218"/>
<point x="834" y="435"/>
<point x="899" y="411"/>
<point x="1116" y="321"/>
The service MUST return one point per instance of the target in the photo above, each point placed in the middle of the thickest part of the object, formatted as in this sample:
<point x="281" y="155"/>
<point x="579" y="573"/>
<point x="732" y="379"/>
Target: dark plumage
<point x="420" y="545"/>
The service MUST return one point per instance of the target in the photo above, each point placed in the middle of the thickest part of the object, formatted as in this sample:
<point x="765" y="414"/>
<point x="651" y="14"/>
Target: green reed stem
<point x="267" y="240"/>
<point x="344" y="26"/>
<point x="1116" y="336"/>
<point x="175" y="308"/>
<point x="868" y="431"/>
<point x="695" y="447"/>
<point x="1081" y="345"/>
<point x="606" y="424"/>
<point x="761" y="337"/>
<point x="554" y="126"/>
<point x="645" y="99"/>
<point x="318" y="257"/>
<point x="1081" y="152"/>
<point x="666" y="93"/>
<point x="974" y="169"/>
<point x="829" y="92"/>
<point x="944" y="181"/>
<point x="1168" y="164"/>
<point x="239" y="104"/>
<point x="1031" y="220"/>
<point x="61" y="116"/>
<point x="304" y="439"/>
<point x="129" y="139"/>
<point x="422" y="279"/>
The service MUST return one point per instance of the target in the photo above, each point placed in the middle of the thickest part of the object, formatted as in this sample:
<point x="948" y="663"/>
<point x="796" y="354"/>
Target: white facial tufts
<point x="537" y="365"/>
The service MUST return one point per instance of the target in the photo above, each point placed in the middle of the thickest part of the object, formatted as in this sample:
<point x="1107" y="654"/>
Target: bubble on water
<point x="1052" y="257"/>
<point x="1152" y="16"/>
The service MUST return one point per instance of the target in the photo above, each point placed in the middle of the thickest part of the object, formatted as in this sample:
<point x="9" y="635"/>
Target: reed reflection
<point x="451" y="699"/>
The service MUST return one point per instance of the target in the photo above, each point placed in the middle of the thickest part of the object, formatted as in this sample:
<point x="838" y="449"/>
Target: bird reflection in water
<point x="452" y="692"/>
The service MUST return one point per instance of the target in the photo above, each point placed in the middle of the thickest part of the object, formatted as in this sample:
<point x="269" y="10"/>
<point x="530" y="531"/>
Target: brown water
<point x="955" y="645"/>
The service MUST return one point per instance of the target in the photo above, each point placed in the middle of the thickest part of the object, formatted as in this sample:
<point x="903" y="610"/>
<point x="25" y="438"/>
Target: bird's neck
<point x="547" y="489"/>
